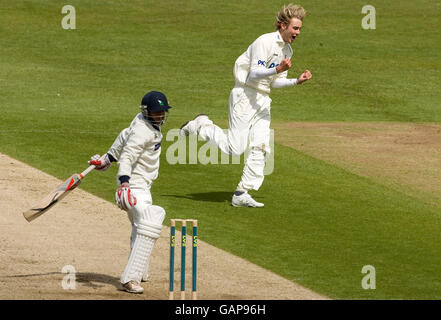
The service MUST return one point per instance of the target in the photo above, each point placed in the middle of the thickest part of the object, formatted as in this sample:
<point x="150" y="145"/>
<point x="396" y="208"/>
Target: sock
<point x="240" y="191"/>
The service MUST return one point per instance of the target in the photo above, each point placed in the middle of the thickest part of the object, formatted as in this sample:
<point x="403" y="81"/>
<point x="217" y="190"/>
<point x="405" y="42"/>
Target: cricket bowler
<point x="137" y="150"/>
<point x="263" y="65"/>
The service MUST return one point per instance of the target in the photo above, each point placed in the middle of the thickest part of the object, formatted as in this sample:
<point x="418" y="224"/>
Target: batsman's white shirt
<point x="137" y="149"/>
<point x="267" y="51"/>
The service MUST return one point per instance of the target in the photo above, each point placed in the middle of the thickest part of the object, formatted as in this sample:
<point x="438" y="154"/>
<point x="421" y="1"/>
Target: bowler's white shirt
<point x="267" y="51"/>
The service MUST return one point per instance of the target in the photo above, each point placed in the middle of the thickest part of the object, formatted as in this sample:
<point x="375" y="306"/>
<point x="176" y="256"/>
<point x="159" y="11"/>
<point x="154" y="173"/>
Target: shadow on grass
<point x="220" y="196"/>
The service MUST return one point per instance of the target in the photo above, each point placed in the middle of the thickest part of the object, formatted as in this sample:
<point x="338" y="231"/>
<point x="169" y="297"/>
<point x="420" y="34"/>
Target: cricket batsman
<point x="263" y="65"/>
<point x="137" y="150"/>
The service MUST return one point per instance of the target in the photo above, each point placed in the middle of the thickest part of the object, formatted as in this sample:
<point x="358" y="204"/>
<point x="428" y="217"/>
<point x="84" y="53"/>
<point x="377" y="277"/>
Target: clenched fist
<point x="284" y="65"/>
<point x="305" y="76"/>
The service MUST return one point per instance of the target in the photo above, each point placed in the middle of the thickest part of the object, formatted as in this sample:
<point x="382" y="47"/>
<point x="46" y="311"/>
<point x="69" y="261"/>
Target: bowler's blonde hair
<point x="287" y="13"/>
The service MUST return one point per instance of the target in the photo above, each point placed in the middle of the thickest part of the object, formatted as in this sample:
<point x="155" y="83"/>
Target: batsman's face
<point x="291" y="31"/>
<point x="158" y="117"/>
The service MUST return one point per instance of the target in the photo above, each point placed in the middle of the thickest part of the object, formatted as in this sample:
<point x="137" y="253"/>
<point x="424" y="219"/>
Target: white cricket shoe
<point x="193" y="126"/>
<point x="145" y="278"/>
<point x="132" y="287"/>
<point x="245" y="200"/>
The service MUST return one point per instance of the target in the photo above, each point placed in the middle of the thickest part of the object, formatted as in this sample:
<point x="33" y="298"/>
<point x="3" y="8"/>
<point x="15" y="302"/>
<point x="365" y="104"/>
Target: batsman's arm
<point x="117" y="147"/>
<point x="103" y="163"/>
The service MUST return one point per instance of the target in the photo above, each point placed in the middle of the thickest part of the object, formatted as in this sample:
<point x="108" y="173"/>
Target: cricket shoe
<point x="132" y="287"/>
<point x="193" y="126"/>
<point x="245" y="200"/>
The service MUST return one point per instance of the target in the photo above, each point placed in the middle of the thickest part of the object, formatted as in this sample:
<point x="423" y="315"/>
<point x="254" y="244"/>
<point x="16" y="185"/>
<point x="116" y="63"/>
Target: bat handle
<point x="85" y="172"/>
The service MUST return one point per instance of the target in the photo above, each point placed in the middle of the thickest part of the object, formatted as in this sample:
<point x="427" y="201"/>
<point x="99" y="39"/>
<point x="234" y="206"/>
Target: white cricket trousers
<point x="249" y="126"/>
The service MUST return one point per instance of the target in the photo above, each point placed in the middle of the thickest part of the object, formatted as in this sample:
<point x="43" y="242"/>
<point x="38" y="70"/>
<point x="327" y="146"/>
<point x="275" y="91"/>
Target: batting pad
<point x="146" y="234"/>
<point x="149" y="229"/>
<point x="146" y="228"/>
<point x="138" y="259"/>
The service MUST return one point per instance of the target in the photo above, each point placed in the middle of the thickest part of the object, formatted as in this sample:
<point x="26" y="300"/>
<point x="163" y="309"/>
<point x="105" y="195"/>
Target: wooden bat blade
<point x="52" y="198"/>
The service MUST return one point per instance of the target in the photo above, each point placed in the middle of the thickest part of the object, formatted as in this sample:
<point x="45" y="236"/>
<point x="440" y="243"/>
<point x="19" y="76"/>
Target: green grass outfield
<point x="66" y="94"/>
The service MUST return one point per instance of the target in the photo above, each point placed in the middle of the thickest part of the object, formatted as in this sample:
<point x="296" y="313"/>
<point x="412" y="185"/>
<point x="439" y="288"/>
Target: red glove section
<point x="124" y="198"/>
<point x="102" y="163"/>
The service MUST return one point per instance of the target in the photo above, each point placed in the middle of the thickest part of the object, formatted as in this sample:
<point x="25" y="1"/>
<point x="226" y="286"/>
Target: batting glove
<point x="124" y="197"/>
<point x="101" y="163"/>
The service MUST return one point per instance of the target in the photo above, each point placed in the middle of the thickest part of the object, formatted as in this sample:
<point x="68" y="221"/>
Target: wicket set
<point x="183" y="252"/>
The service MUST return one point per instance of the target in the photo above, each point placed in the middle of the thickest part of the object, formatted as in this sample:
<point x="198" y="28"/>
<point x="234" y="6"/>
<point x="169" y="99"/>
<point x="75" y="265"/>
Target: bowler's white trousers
<point x="249" y="125"/>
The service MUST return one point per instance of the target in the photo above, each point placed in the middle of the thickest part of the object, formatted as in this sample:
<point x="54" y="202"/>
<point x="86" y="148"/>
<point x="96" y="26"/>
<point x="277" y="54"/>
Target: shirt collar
<point x="279" y="37"/>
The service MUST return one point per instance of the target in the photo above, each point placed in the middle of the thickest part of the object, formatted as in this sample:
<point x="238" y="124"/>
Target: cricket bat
<point x="55" y="196"/>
